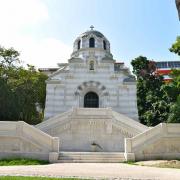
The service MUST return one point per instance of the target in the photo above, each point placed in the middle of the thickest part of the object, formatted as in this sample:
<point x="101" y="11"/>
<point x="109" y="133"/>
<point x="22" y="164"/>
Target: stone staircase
<point x="127" y="124"/>
<point x="91" y="157"/>
<point x="79" y="128"/>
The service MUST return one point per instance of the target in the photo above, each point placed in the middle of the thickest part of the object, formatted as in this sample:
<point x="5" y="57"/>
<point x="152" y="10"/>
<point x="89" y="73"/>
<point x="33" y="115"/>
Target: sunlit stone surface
<point x="91" y="78"/>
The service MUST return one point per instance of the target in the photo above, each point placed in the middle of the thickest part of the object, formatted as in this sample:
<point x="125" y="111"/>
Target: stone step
<point x="92" y="117"/>
<point x="91" y="161"/>
<point x="91" y="153"/>
<point x="91" y="157"/>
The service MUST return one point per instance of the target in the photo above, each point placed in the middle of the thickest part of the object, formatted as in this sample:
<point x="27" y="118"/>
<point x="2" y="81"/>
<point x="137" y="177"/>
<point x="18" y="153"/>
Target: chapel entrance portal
<point x="91" y="100"/>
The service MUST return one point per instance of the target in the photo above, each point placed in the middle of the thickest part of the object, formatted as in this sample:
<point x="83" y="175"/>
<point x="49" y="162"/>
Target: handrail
<point x="163" y="129"/>
<point x="53" y="120"/>
<point x="30" y="133"/>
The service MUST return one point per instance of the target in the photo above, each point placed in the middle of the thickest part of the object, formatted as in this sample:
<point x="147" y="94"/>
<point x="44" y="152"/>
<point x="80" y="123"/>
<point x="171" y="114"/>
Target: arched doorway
<point x="91" y="100"/>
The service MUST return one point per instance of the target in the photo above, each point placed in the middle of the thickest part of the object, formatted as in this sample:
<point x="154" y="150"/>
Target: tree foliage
<point x="172" y="90"/>
<point x="22" y="90"/>
<point x="151" y="99"/>
<point x="176" y="46"/>
<point x="157" y="102"/>
<point x="174" y="115"/>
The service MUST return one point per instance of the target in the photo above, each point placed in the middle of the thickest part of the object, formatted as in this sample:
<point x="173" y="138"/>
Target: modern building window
<point x="91" y="65"/>
<point x="104" y="45"/>
<point x="91" y="43"/>
<point x="168" y="64"/>
<point x="79" y="44"/>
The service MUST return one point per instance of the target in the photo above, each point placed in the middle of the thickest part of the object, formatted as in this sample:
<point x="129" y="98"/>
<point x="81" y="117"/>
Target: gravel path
<point x="94" y="170"/>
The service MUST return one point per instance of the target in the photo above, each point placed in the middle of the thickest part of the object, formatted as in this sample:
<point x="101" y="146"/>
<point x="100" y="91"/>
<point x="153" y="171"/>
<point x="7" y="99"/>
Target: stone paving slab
<point x="113" y="171"/>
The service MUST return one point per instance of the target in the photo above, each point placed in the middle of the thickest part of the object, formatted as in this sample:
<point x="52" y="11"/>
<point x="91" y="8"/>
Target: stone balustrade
<point x="159" y="142"/>
<point x="19" y="139"/>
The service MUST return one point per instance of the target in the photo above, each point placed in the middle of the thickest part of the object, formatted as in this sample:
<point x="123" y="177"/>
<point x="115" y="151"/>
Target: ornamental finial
<point x="92" y="27"/>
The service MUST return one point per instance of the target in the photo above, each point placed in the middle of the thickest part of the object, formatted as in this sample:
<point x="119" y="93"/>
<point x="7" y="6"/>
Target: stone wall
<point x="18" y="139"/>
<point x="66" y="90"/>
<point x="79" y="128"/>
<point x="159" y="142"/>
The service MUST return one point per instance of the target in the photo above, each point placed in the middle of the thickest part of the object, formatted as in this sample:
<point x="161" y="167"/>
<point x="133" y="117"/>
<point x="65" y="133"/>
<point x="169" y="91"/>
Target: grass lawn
<point x="16" y="162"/>
<point x="32" y="178"/>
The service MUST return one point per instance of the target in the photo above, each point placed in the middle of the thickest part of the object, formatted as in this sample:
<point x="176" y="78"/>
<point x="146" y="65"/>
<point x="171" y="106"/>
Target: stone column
<point x="128" y="154"/>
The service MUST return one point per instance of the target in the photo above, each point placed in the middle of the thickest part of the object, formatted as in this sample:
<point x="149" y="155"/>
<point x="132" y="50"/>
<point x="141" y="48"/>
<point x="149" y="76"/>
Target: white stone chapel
<point x="90" y="114"/>
<point x="91" y="99"/>
<point x="91" y="79"/>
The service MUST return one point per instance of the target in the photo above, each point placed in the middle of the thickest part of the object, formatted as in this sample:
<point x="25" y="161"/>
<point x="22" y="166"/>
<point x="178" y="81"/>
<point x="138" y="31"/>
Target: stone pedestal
<point x="129" y="156"/>
<point x="53" y="157"/>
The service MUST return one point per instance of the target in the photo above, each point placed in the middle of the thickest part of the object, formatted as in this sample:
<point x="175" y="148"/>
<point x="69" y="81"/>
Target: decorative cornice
<point x="74" y="60"/>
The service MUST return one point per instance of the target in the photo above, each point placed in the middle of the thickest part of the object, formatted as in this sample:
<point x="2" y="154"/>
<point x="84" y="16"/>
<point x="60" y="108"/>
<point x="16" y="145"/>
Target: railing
<point x="20" y="129"/>
<point x="161" y="130"/>
<point x="54" y="120"/>
<point x="129" y="122"/>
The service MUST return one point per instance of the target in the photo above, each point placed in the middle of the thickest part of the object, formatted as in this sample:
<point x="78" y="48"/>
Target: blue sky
<point x="44" y="30"/>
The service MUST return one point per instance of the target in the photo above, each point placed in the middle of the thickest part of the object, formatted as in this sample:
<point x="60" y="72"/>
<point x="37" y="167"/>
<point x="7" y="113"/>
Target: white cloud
<point x="16" y="16"/>
<point x="46" y="52"/>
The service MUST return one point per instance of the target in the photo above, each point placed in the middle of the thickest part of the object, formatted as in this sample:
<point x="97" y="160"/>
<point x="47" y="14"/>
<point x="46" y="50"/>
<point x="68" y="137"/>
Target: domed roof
<point x="92" y="31"/>
<point x="96" y="33"/>
<point x="91" y="40"/>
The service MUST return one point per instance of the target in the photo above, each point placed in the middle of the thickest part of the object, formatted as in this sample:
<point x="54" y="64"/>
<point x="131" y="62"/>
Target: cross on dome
<point x="92" y="27"/>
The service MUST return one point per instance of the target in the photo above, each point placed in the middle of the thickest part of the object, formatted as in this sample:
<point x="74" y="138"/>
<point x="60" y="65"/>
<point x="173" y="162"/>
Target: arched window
<point x="91" y="65"/>
<point x="104" y="44"/>
<point x="79" y="44"/>
<point x="91" y="43"/>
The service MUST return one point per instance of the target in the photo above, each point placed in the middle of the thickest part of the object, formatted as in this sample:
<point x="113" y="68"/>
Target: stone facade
<point x="80" y="128"/>
<point x="91" y="68"/>
<point x="91" y="111"/>
<point x="105" y="136"/>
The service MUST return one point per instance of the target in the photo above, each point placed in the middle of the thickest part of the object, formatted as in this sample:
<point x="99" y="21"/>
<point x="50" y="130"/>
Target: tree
<point x="174" y="115"/>
<point x="21" y="90"/>
<point x="151" y="98"/>
<point x="9" y="60"/>
<point x="176" y="46"/>
<point x="172" y="90"/>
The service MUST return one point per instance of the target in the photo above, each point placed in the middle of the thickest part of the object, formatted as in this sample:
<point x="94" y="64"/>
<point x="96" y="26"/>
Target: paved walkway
<point x="94" y="170"/>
